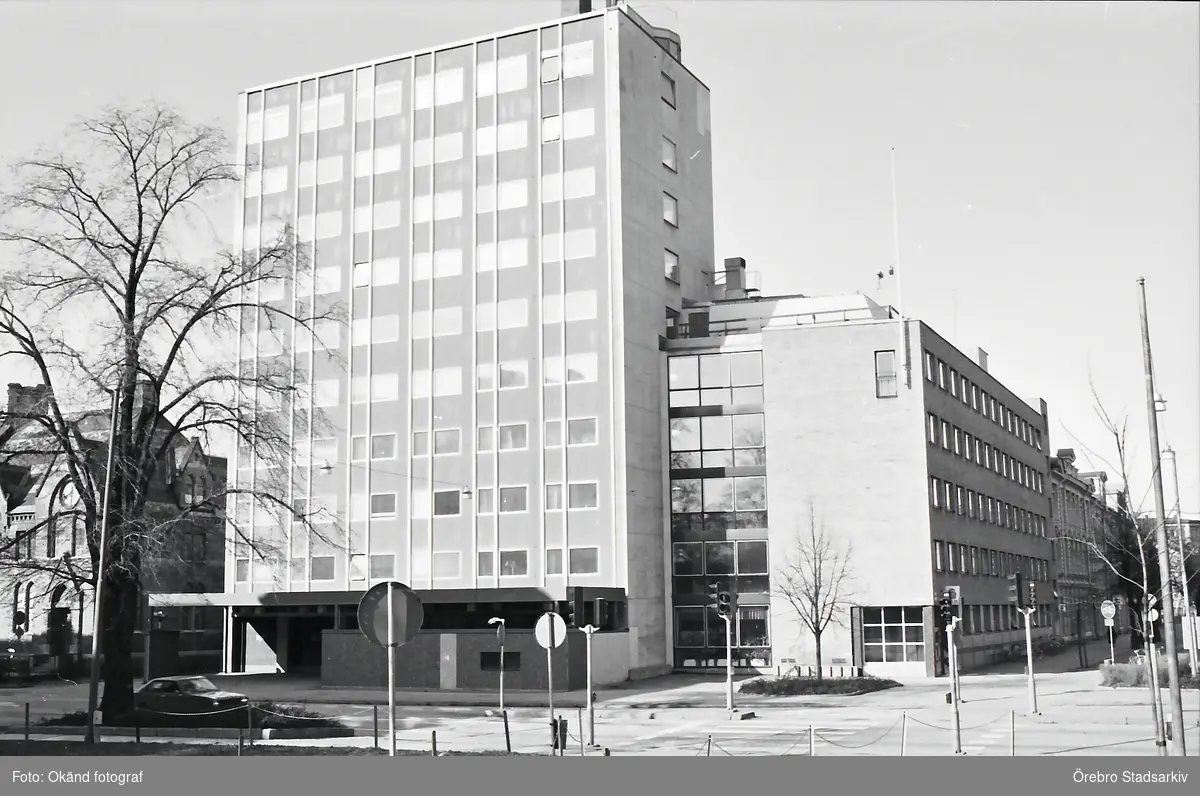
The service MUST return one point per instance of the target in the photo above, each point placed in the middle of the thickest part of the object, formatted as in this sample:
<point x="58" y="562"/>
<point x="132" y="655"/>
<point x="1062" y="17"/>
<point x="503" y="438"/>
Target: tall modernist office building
<point x="509" y="222"/>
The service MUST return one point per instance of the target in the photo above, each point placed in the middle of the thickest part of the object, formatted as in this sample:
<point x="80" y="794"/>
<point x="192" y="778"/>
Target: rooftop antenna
<point x="895" y="270"/>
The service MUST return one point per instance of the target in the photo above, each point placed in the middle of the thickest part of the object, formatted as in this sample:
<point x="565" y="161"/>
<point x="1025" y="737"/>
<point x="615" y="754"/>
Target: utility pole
<point x="1178" y="746"/>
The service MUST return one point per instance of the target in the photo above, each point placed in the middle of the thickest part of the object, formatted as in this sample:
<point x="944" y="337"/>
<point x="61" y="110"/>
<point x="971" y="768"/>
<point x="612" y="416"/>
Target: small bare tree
<point x="1127" y="550"/>
<point x="816" y="580"/>
<point x="116" y="293"/>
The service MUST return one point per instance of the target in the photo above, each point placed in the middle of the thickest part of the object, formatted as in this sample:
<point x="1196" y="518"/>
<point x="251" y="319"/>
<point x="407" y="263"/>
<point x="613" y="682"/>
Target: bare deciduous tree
<point x="115" y="290"/>
<point x="816" y="580"/>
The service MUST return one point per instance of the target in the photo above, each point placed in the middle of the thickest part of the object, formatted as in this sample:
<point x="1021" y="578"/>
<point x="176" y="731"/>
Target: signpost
<point x="500" y="624"/>
<point x="390" y="615"/>
<point x="1108" y="609"/>
<point x="588" y="630"/>
<point x="550" y="631"/>
<point x="19" y="619"/>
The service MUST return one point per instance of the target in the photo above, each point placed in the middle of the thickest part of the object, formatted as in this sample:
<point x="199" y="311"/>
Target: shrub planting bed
<point x="1134" y="675"/>
<point x="120" y="749"/>
<point x="263" y="716"/>
<point x="812" y="686"/>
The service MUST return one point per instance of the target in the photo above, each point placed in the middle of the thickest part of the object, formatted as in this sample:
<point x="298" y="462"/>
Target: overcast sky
<point x="1046" y="156"/>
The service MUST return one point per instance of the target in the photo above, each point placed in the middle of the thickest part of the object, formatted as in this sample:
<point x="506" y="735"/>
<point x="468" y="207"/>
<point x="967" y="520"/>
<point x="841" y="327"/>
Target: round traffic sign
<point x="1152" y="615"/>
<point x="407" y="614"/>
<point x="1108" y="609"/>
<point x="550" y="630"/>
<point x="19" y="618"/>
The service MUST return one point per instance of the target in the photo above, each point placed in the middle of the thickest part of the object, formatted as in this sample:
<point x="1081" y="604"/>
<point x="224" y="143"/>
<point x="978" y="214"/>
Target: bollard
<point x="507" y="737"/>
<point x="581" y="732"/>
<point x="137" y="726"/>
<point x="903" y="732"/>
<point x="375" y="721"/>
<point x="708" y="753"/>
<point x="26" y="722"/>
<point x="562" y="736"/>
<point x="250" y="721"/>
<point x="1012" y="733"/>
<point x="239" y="752"/>
<point x="435" y="743"/>
<point x="606" y="752"/>
<point x="1167" y="727"/>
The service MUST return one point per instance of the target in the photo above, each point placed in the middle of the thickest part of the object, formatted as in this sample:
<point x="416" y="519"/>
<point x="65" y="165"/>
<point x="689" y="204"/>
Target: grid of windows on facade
<point x="894" y="634"/>
<point x="961" y="388"/>
<point x="446" y="146"/>
<point x="955" y="499"/>
<point x="954" y="440"/>
<point x="700" y="636"/>
<point x="980" y="619"/>
<point x="727" y="379"/>
<point x="738" y="566"/>
<point x="962" y="559"/>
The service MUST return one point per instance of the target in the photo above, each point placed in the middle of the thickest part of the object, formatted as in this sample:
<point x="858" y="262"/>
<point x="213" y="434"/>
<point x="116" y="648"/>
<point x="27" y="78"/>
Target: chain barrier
<point x="723" y="749"/>
<point x="885" y="734"/>
<point x="961" y="729"/>
<point x="803" y="737"/>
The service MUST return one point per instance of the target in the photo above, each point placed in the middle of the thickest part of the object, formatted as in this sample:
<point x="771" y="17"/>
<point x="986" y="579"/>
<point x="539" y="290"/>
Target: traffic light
<point x="1033" y="600"/>
<point x="1016" y="595"/>
<point x="725" y="604"/>
<point x="576" y="614"/>
<point x="946" y="608"/>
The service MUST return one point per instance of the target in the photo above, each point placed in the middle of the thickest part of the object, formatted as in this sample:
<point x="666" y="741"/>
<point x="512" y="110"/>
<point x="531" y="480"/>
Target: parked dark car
<point x="186" y="695"/>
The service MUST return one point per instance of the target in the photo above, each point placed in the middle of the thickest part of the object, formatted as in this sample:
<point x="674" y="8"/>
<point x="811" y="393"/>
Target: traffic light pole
<point x="952" y="660"/>
<point x="729" y="664"/>
<point x="1028" y="613"/>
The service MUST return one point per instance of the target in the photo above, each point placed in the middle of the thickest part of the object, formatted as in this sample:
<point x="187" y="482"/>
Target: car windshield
<point x="196" y="685"/>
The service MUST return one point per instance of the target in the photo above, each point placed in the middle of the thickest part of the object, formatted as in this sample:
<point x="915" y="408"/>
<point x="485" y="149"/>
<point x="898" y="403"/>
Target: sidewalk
<point x="1066" y="661"/>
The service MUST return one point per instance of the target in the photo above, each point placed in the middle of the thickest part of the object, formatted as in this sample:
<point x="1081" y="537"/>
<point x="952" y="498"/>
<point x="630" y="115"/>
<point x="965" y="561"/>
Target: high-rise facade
<point x="509" y="224"/>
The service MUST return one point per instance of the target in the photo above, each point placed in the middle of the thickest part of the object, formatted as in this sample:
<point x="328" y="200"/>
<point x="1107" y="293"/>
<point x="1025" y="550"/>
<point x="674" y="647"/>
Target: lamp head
<point x="495" y="620"/>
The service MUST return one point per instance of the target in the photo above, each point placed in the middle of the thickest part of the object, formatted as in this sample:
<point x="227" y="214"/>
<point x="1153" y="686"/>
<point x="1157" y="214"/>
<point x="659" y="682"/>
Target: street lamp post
<point x="500" y="632"/>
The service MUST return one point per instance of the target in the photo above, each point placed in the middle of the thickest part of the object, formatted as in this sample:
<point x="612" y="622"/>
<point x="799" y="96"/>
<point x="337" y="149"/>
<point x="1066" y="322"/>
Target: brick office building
<point x="931" y="468"/>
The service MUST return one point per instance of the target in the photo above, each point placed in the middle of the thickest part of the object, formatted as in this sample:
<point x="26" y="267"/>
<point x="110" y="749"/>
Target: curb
<point x="191" y="732"/>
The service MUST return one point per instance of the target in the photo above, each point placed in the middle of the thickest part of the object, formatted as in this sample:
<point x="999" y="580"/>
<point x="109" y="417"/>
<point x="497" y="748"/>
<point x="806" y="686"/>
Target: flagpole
<point x="898" y="273"/>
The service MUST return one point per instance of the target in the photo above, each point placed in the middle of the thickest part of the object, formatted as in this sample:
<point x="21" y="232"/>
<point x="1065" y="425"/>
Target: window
<point x="935" y="492"/>
<point x="745" y="563"/>
<point x="554" y="497"/>
<point x="383" y="565"/>
<point x="551" y="68"/>
<point x="954" y="382"/>
<point x="554" y="561"/>
<point x="513" y="499"/>
<point x="929" y="367"/>
<point x="485" y="569"/>
<point x="483" y="438"/>
<point x="420" y="443"/>
<point x="553" y="436"/>
<point x="447" y="503"/>
<point x="514" y="375"/>
<point x="668" y="90"/>
<point x="933" y="428"/>
<point x="671" y="265"/>
<point x="885" y="374"/>
<point x="960" y="502"/>
<point x="485" y="501"/>
<point x="941" y="371"/>
<point x="669" y="154"/>
<point x="513" y="437"/>
<point x="383" y="446"/>
<point x="718" y="441"/>
<point x="577" y="60"/>
<point x="585" y="560"/>
<point x="358" y="449"/>
<point x="893" y="634"/>
<point x="939" y="556"/>
<point x="583" y="496"/>
<point x="957" y="441"/>
<point x="974" y="560"/>
<point x="551" y="129"/>
<point x="578" y="124"/>
<point x="670" y="209"/>
<point x="581" y="431"/>
<point x="383" y="504"/>
<point x="446" y="441"/>
<point x="514" y="563"/>
<point x="947" y="437"/>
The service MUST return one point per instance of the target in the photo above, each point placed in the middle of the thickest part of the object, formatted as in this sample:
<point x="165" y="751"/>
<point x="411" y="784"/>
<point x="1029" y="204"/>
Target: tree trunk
<point x="820" y="661"/>
<point x="120" y="621"/>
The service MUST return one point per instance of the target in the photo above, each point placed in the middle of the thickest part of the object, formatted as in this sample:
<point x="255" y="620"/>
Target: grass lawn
<point x="811" y="686"/>
<point x="125" y="749"/>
